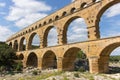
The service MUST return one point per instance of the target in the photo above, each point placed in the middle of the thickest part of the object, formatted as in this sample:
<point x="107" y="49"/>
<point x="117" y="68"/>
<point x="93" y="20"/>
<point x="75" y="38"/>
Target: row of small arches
<point x="83" y="5"/>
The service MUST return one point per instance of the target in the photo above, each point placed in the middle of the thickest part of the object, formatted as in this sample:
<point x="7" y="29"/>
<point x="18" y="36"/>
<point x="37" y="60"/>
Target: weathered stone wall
<point x="96" y="49"/>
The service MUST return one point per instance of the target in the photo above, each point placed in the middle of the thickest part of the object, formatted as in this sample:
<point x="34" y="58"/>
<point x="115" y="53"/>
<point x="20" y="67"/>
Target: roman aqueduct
<point x="96" y="49"/>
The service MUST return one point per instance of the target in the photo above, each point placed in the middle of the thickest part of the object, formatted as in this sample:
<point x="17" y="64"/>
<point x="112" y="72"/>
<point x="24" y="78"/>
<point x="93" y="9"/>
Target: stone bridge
<point x="63" y="55"/>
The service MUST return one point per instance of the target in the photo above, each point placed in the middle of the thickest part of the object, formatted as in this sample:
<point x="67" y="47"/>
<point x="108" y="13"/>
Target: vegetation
<point x="114" y="58"/>
<point x="81" y="63"/>
<point x="35" y="47"/>
<point x="7" y="59"/>
<point x="7" y="56"/>
<point x="19" y="66"/>
<point x="76" y="75"/>
<point x="35" y="72"/>
<point x="81" y="55"/>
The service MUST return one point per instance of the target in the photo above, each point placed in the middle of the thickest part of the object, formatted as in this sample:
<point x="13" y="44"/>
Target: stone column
<point x="12" y="45"/>
<point x="19" y="47"/>
<point x="93" y="33"/>
<point x="60" y="63"/>
<point x="24" y="62"/>
<point x="61" y="38"/>
<point x="27" y="44"/>
<point x="94" y="64"/>
<point x="104" y="64"/>
<point x="42" y="42"/>
<point x="40" y="63"/>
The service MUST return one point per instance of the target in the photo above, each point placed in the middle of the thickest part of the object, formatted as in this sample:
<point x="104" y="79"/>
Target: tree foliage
<point x="114" y="58"/>
<point x="7" y="55"/>
<point x="81" y="55"/>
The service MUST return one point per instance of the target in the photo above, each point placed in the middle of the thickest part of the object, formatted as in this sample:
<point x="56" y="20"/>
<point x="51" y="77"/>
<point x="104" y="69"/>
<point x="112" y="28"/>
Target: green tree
<point x="7" y="56"/>
<point x="81" y="55"/>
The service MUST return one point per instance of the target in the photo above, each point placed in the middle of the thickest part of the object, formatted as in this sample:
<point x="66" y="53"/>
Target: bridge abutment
<point x="94" y="64"/>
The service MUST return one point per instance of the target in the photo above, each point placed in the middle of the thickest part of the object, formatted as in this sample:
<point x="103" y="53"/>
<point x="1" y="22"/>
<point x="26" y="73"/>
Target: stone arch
<point x="36" y="27"/>
<point x="50" y="20"/>
<point x="83" y="5"/>
<point x="45" y="36"/>
<point x="10" y="44"/>
<point x="32" y="28"/>
<point x="103" y="9"/>
<point x="22" y="46"/>
<point x="15" y="45"/>
<point x="26" y="31"/>
<point x="108" y="49"/>
<point x="69" y="58"/>
<point x="29" y="30"/>
<point x="49" y="60"/>
<point x="32" y="60"/>
<point x="65" y="28"/>
<point x="21" y="57"/>
<point x="56" y="17"/>
<point x="95" y="1"/>
<point x="31" y="39"/>
<point x="64" y="13"/>
<point x="73" y="10"/>
<point x="104" y="57"/>
<point x="44" y="23"/>
<point x="40" y="25"/>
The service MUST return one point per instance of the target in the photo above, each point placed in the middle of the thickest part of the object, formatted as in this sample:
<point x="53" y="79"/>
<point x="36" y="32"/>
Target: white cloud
<point x="28" y="19"/>
<point x="52" y="37"/>
<point x="36" y="40"/>
<point x="2" y="4"/>
<point x="110" y="34"/>
<point x="72" y="0"/>
<point x="26" y="12"/>
<point x="4" y="33"/>
<point x="77" y="31"/>
<point x="113" y="11"/>
<point x="115" y="51"/>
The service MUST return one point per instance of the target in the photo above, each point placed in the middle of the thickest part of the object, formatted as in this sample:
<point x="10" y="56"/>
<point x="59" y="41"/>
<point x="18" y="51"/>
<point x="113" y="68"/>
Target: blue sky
<point x="18" y="14"/>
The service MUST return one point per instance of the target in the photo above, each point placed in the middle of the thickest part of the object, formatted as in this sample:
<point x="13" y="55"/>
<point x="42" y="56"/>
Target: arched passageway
<point x="106" y="56"/>
<point x="21" y="57"/>
<point x="10" y="44"/>
<point x="15" y="45"/>
<point x="34" y="41"/>
<point x="22" y="45"/>
<point x="32" y="60"/>
<point x="50" y="36"/>
<point x="108" y="20"/>
<point x="75" y="30"/>
<point x="49" y="60"/>
<point x="75" y="59"/>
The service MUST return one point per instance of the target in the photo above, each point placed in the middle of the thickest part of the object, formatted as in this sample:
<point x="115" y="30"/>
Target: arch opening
<point x="22" y="44"/>
<point x="75" y="30"/>
<point x="10" y="44"/>
<point x="34" y="41"/>
<point x="57" y="17"/>
<point x="64" y="14"/>
<point x="21" y="57"/>
<point x="15" y="45"/>
<point x="108" y="20"/>
<point x="83" y="5"/>
<point x="49" y="60"/>
<point x="75" y="59"/>
<point x="50" y="36"/>
<point x="32" y="60"/>
<point x="96" y="0"/>
<point x="73" y="10"/>
<point x="110" y="59"/>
